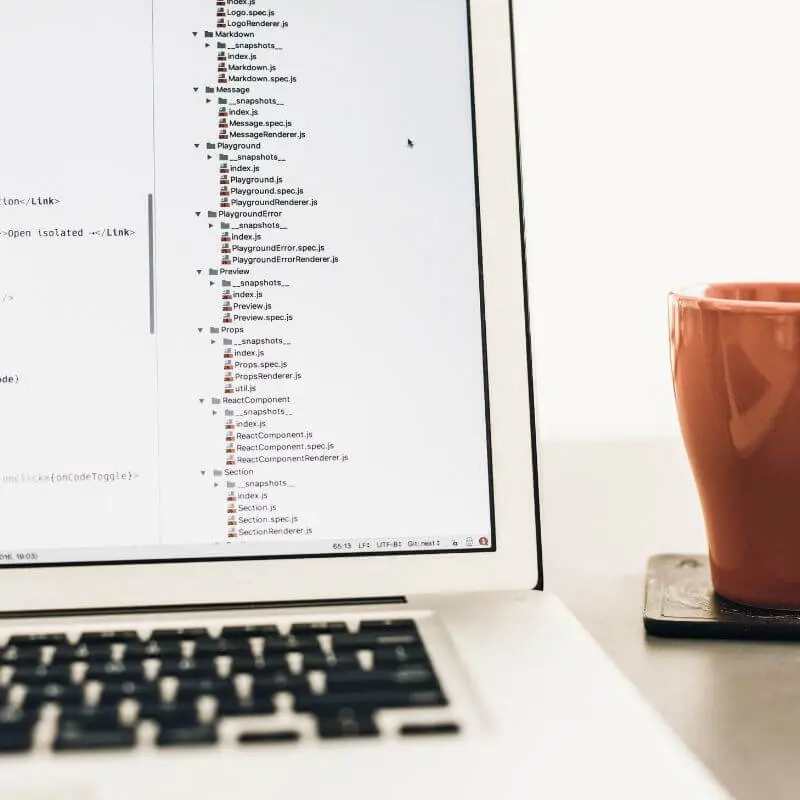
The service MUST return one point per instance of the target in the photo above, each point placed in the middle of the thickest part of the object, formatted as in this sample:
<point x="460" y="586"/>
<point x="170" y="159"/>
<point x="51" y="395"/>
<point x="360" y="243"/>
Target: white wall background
<point x="661" y="147"/>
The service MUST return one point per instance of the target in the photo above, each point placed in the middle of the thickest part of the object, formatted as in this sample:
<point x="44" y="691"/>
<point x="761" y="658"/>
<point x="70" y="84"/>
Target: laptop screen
<point x="240" y="281"/>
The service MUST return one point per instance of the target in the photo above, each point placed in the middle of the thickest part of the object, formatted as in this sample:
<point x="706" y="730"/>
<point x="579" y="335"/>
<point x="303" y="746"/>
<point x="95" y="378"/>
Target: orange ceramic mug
<point x="736" y="372"/>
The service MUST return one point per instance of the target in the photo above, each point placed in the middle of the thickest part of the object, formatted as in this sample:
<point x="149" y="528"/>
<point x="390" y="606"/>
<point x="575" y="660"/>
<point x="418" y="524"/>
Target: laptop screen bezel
<point x="515" y="561"/>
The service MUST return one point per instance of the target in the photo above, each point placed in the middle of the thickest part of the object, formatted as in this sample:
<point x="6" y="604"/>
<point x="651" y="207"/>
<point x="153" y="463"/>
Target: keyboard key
<point x="15" y="740"/>
<point x="29" y="655"/>
<point x="249" y="631"/>
<point x="221" y="688"/>
<point x="70" y="738"/>
<point x="40" y="675"/>
<point x="92" y="728"/>
<point x="305" y="628"/>
<point x="15" y="717"/>
<point x="386" y="625"/>
<point x="430" y="730"/>
<point x="144" y="692"/>
<point x="242" y="663"/>
<point x="268" y="737"/>
<point x="328" y="661"/>
<point x="267" y="684"/>
<point x="171" y="715"/>
<point x="208" y="647"/>
<point x="64" y="694"/>
<point x="139" y="651"/>
<point x="188" y="668"/>
<point x="346" y="725"/>
<point x="178" y="634"/>
<point x="324" y="704"/>
<point x="115" y="672"/>
<point x="415" y="677"/>
<point x="96" y="718"/>
<point x="38" y="639"/>
<point x="247" y="663"/>
<point x="16" y="729"/>
<point x="398" y="655"/>
<point x="368" y="640"/>
<point x="291" y="644"/>
<point x="108" y="637"/>
<point x="236" y="707"/>
<point x="85" y="651"/>
<point x="198" y="735"/>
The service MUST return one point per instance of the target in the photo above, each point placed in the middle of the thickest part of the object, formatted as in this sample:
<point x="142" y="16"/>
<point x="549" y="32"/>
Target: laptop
<point x="268" y="490"/>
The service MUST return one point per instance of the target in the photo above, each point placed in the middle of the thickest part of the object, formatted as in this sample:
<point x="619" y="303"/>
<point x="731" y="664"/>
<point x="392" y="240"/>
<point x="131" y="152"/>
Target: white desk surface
<point x="607" y="506"/>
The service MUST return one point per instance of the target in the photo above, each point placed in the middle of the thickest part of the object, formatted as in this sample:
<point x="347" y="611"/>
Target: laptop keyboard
<point x="114" y="690"/>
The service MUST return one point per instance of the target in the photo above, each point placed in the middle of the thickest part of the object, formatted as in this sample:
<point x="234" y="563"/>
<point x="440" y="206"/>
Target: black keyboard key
<point x="414" y="677"/>
<point x="16" y="729"/>
<point x="439" y="729"/>
<point x="327" y="661"/>
<point x="71" y="738"/>
<point x="38" y="639"/>
<point x="399" y="655"/>
<point x="144" y="692"/>
<point x="370" y="639"/>
<point x="388" y="625"/>
<point x="30" y="655"/>
<point x="15" y="717"/>
<point x="89" y="718"/>
<point x="208" y="647"/>
<point x="15" y="740"/>
<point x="85" y="651"/>
<point x="242" y="663"/>
<point x="221" y="688"/>
<point x="347" y="724"/>
<point x="267" y="685"/>
<point x="188" y="668"/>
<point x="171" y="715"/>
<point x="65" y="694"/>
<point x="268" y="737"/>
<point x="178" y="634"/>
<point x="181" y="737"/>
<point x="108" y="637"/>
<point x="291" y="644"/>
<point x="115" y="672"/>
<point x="305" y="628"/>
<point x="252" y="706"/>
<point x="139" y="651"/>
<point x="249" y="631"/>
<point x="40" y="675"/>
<point x="323" y="704"/>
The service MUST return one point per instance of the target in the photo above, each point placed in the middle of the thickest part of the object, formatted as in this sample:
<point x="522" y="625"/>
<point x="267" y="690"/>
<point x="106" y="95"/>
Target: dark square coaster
<point x="680" y="603"/>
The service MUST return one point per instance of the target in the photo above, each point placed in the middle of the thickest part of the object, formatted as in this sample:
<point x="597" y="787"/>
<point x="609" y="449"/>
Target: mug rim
<point x="697" y="293"/>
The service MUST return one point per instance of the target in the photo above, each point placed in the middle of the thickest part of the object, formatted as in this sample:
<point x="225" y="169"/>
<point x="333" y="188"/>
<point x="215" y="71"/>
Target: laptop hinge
<point x="110" y="610"/>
